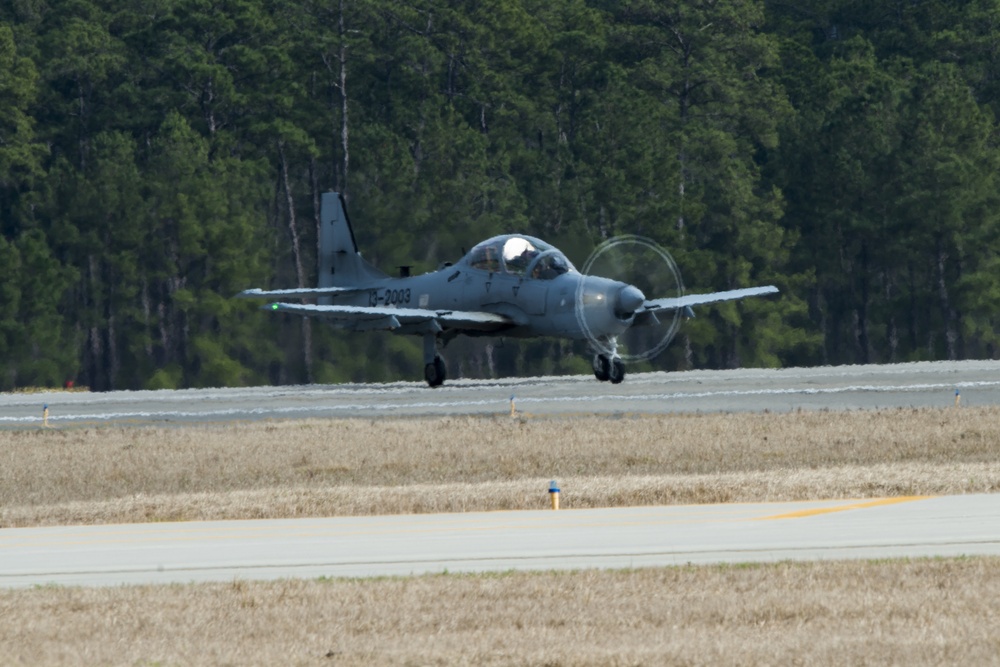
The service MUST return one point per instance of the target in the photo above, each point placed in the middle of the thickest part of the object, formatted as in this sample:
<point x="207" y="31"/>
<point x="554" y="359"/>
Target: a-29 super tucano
<point x="511" y="285"/>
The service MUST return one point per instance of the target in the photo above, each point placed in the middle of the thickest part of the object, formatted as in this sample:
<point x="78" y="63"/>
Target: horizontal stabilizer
<point x="672" y="303"/>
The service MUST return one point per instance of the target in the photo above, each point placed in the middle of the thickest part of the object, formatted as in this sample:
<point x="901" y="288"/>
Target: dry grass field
<point x="933" y="612"/>
<point x="907" y="613"/>
<point x="388" y="466"/>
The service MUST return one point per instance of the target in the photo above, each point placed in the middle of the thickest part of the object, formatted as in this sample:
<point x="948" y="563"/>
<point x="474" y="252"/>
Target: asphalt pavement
<point x="925" y="384"/>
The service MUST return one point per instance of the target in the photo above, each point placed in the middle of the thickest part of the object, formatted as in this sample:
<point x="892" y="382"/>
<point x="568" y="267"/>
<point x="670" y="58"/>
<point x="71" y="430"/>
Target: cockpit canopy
<point x="520" y="256"/>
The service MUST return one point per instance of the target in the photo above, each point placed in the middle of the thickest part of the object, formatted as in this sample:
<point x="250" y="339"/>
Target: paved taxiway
<point x="500" y="541"/>
<point x="835" y="388"/>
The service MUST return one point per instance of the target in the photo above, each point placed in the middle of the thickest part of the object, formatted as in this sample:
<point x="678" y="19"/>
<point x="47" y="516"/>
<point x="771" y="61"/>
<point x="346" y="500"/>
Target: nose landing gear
<point x="609" y="369"/>
<point x="608" y="366"/>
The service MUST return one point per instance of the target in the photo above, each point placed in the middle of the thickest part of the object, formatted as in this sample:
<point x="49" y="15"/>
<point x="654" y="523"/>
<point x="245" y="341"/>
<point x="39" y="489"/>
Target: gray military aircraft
<point x="510" y="285"/>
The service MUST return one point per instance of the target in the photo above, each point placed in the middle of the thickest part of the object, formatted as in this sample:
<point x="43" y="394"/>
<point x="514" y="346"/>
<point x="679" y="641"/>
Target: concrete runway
<point x="412" y="544"/>
<point x="835" y="388"/>
<point x="500" y="541"/>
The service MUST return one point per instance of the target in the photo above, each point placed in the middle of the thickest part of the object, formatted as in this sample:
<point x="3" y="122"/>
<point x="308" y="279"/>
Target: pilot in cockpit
<point x="545" y="269"/>
<point x="517" y="254"/>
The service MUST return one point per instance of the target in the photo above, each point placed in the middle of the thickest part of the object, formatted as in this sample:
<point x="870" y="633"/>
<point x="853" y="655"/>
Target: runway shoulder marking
<point x="843" y="508"/>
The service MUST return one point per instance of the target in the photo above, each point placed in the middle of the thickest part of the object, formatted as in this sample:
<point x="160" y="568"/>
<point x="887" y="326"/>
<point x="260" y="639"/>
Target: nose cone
<point x="630" y="298"/>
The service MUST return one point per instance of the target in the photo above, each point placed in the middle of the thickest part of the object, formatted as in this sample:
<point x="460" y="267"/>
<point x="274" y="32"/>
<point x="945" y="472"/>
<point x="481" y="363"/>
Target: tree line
<point x="156" y="158"/>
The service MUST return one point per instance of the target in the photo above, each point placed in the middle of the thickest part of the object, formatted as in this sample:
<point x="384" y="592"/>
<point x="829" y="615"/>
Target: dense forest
<point x="159" y="156"/>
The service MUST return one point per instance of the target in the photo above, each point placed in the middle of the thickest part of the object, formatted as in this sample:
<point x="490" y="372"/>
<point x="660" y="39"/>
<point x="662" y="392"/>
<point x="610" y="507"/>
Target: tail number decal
<point x="389" y="297"/>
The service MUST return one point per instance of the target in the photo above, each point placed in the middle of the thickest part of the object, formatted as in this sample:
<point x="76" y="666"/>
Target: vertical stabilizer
<point x="340" y="263"/>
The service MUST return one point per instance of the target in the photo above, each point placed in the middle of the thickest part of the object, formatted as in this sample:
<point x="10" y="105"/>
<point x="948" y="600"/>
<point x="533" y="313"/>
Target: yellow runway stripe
<point x="843" y="508"/>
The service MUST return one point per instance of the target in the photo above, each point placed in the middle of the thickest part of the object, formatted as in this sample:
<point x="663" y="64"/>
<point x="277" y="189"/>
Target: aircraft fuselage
<point x="536" y="307"/>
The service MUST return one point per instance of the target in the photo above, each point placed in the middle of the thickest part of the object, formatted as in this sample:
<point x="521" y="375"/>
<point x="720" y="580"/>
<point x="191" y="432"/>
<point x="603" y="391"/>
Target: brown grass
<point x="926" y="612"/>
<point x="351" y="467"/>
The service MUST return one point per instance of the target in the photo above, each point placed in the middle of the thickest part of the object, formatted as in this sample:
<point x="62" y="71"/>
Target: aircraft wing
<point x="688" y="300"/>
<point x="371" y="318"/>
<point x="256" y="292"/>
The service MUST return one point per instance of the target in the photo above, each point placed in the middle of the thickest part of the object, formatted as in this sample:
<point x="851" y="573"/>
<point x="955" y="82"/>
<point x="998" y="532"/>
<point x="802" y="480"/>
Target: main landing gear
<point x="609" y="369"/>
<point x="435" y="371"/>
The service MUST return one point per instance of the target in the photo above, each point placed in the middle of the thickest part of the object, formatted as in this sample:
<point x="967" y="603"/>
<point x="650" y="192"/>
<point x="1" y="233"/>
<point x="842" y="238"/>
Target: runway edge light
<point x="554" y="494"/>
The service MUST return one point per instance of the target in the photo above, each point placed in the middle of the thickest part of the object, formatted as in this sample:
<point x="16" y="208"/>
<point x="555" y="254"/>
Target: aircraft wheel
<point x="435" y="372"/>
<point x="602" y="367"/>
<point x="617" y="371"/>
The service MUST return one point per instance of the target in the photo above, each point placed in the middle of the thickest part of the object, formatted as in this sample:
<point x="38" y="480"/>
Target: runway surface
<point x="930" y="384"/>
<point x="500" y="541"/>
<point x="413" y="544"/>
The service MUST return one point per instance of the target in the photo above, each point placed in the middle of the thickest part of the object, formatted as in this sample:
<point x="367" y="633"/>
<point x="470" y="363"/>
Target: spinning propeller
<point x="648" y="272"/>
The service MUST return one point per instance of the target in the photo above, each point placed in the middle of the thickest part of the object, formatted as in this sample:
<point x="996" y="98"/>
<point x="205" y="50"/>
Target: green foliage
<point x="10" y="303"/>
<point x="35" y="341"/>
<point x="20" y="153"/>
<point x="155" y="160"/>
<point x="168" y="377"/>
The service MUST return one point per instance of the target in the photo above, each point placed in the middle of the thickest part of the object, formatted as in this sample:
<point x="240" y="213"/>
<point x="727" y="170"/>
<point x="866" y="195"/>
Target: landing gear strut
<point x="435" y="371"/>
